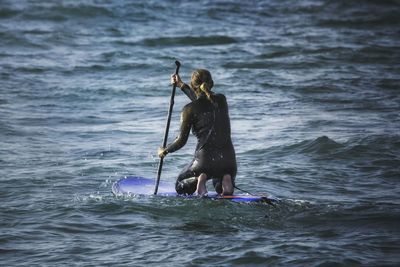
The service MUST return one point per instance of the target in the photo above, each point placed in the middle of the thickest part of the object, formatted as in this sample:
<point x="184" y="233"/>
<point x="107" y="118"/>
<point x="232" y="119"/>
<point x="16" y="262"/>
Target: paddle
<point x="171" y="105"/>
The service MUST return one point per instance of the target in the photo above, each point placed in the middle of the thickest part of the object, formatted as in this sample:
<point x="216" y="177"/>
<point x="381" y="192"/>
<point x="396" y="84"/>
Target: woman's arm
<point x="189" y="92"/>
<point x="184" y="87"/>
<point x="181" y="139"/>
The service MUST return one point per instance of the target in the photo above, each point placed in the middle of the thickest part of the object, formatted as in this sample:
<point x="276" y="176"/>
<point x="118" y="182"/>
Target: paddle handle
<point x="171" y="105"/>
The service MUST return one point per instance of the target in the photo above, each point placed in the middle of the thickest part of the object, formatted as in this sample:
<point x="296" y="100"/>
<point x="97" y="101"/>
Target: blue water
<point x="313" y="90"/>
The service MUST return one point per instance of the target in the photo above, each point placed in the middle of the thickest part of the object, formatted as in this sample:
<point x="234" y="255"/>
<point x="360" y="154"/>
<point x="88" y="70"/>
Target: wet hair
<point x="202" y="83"/>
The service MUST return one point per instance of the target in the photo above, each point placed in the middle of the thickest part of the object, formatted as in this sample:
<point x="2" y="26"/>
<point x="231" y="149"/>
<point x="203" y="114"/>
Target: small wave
<point x="378" y="150"/>
<point x="251" y="65"/>
<point x="321" y="145"/>
<point x="96" y="153"/>
<point x="34" y="70"/>
<point x="375" y="54"/>
<point x="37" y="32"/>
<point x="319" y="89"/>
<point x="9" y="130"/>
<point x="188" y="40"/>
<point x="272" y="65"/>
<point x="108" y="67"/>
<point x="276" y="54"/>
<point x="109" y="56"/>
<point x="280" y="51"/>
<point x="15" y="39"/>
<point x="6" y="13"/>
<point x="59" y="13"/>
<point x="367" y="5"/>
<point x="83" y="11"/>
<point x="362" y="214"/>
<point x="389" y="84"/>
<point x="361" y="22"/>
<point x="372" y="147"/>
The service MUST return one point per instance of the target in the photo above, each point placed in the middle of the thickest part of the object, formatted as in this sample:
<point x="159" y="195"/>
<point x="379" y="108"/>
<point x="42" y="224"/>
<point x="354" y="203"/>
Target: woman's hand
<point x="161" y="152"/>
<point x="175" y="79"/>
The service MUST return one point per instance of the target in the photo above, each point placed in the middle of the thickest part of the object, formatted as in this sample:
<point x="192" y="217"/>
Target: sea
<point x="314" y="101"/>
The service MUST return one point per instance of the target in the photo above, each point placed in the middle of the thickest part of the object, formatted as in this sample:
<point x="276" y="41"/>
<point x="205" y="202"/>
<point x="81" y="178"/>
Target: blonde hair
<point x="202" y="83"/>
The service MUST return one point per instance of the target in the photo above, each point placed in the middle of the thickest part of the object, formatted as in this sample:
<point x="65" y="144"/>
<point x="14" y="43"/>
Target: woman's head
<point x="202" y="82"/>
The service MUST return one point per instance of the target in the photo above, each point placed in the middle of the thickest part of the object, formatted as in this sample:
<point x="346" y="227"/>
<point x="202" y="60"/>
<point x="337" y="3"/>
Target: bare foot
<point x="201" y="185"/>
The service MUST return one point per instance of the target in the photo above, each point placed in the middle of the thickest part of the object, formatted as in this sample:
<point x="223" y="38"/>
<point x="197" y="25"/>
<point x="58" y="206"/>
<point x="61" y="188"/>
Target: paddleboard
<point x="134" y="185"/>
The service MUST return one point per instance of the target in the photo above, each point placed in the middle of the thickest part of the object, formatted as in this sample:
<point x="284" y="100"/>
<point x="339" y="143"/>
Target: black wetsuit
<point x="215" y="155"/>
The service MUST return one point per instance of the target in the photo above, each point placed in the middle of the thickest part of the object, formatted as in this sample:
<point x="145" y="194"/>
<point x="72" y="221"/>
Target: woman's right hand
<point x="175" y="79"/>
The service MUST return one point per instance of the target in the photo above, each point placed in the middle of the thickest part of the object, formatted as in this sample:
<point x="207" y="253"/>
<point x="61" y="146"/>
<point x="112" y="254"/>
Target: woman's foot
<point x="227" y="185"/>
<point x="201" y="189"/>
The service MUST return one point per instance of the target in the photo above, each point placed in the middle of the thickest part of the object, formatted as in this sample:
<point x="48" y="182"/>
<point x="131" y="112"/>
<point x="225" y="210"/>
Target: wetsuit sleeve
<point x="186" y="125"/>
<point x="189" y="92"/>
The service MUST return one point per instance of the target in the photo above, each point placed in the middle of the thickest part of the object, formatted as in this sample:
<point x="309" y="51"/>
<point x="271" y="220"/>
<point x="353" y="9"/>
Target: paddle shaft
<point x="171" y="105"/>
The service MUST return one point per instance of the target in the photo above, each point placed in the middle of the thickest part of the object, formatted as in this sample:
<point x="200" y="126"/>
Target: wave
<point x="370" y="54"/>
<point x="251" y="65"/>
<point x="343" y="4"/>
<point x="82" y="10"/>
<point x="6" y="13"/>
<point x="359" y="23"/>
<point x="60" y="13"/>
<point x="321" y="145"/>
<point x="312" y="89"/>
<point x="8" y="130"/>
<point x="183" y="41"/>
<point x="354" y="14"/>
<point x="288" y="65"/>
<point x="109" y="67"/>
<point x="326" y="219"/>
<point x="14" y="39"/>
<point x="68" y="70"/>
<point x="372" y="147"/>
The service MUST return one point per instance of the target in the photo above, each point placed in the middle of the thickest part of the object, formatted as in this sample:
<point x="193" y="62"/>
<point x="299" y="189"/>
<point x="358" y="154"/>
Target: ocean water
<point x="313" y="90"/>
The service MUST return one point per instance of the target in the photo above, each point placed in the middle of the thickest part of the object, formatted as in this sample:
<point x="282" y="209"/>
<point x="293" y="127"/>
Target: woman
<point x="207" y="115"/>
